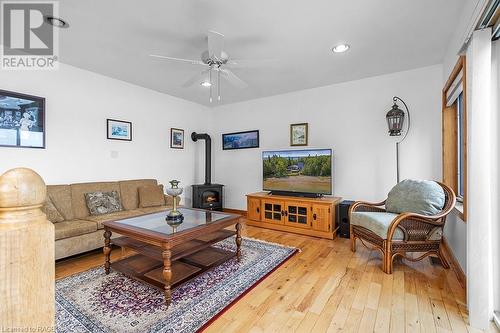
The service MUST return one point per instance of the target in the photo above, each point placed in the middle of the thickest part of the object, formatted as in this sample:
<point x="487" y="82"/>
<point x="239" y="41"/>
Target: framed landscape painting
<point x="119" y="130"/>
<point x="298" y="134"/>
<point x="176" y="138"/>
<point x="22" y="120"/>
<point x="240" y="140"/>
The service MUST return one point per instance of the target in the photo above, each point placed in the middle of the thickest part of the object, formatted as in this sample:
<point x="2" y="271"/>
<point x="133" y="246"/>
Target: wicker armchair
<point x="417" y="231"/>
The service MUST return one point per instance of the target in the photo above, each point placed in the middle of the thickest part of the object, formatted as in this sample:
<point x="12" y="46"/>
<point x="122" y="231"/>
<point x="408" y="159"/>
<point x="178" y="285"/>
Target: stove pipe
<point x="208" y="154"/>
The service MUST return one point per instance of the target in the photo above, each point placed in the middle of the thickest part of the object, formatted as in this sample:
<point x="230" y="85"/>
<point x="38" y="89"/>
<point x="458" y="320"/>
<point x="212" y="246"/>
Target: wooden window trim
<point x="449" y="135"/>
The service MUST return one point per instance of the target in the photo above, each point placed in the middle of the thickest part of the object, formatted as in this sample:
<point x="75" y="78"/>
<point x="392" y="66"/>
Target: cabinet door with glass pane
<point x="297" y="214"/>
<point x="273" y="211"/>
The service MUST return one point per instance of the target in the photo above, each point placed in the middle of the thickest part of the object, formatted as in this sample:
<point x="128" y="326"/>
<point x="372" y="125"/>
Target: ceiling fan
<point x="216" y="62"/>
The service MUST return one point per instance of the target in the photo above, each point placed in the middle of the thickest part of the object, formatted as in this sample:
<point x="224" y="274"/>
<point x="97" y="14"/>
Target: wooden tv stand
<point x="306" y="216"/>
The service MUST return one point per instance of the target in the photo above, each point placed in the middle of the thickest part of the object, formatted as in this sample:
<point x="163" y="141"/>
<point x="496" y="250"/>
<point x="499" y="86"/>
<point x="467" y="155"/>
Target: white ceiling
<point x="114" y="38"/>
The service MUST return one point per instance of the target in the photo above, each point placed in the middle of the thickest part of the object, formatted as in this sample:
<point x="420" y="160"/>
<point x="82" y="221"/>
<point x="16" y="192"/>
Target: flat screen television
<point x="298" y="172"/>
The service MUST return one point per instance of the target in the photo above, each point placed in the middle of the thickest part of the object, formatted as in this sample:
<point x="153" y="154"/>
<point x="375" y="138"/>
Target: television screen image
<point x="299" y="171"/>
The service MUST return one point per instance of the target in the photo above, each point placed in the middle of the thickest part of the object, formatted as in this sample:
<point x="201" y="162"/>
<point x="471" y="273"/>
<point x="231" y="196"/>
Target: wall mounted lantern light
<point x="395" y="122"/>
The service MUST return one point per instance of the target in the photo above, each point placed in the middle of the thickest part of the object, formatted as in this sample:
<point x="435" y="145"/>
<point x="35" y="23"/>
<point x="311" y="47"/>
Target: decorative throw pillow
<point x="151" y="196"/>
<point x="416" y="196"/>
<point x="51" y="211"/>
<point x="100" y="203"/>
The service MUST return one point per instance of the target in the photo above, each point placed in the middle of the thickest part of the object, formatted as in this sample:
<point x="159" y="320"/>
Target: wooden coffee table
<point x="166" y="257"/>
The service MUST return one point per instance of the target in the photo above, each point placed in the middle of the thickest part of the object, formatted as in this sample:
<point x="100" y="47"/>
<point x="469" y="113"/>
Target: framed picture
<point x="22" y="120"/>
<point x="240" y="140"/>
<point x="176" y="138"/>
<point x="119" y="130"/>
<point x="298" y="134"/>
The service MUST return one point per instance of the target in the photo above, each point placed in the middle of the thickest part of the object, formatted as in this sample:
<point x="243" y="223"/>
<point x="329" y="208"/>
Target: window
<point x="455" y="134"/>
<point x="460" y="148"/>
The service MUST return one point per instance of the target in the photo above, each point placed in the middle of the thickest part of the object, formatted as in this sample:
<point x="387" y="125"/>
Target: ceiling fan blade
<point x="193" y="62"/>
<point x="215" y="44"/>
<point x="198" y="77"/>
<point x="249" y="63"/>
<point x="233" y="79"/>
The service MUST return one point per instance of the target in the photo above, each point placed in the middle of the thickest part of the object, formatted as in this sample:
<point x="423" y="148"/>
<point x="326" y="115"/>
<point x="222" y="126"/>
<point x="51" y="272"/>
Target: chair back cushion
<point x="416" y="196"/>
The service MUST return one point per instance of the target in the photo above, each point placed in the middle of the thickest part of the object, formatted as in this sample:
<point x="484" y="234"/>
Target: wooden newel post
<point x="26" y="254"/>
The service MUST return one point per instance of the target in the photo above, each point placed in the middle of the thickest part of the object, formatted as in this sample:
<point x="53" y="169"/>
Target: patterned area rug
<point x="94" y="302"/>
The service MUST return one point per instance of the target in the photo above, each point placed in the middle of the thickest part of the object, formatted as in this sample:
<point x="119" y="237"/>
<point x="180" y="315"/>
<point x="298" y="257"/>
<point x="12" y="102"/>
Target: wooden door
<point x="272" y="211"/>
<point x="253" y="209"/>
<point x="321" y="217"/>
<point x="297" y="214"/>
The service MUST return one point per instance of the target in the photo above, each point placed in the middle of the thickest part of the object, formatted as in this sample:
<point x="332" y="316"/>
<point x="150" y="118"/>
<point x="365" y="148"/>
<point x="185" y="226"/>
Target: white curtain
<point x="495" y="104"/>
<point x="480" y="182"/>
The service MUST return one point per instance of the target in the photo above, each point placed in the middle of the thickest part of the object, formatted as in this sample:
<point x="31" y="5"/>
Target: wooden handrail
<point x="27" y="267"/>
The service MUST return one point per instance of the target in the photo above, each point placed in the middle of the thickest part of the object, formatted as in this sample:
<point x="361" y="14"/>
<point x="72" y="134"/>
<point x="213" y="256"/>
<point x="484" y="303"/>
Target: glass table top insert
<point x="157" y="221"/>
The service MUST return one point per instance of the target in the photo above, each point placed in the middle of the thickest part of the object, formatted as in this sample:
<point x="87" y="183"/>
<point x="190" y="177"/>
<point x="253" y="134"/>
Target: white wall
<point x="77" y="105"/>
<point x="455" y="232"/>
<point x="348" y="117"/>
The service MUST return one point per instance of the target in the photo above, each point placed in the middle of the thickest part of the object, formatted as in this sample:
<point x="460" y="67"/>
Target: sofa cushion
<point x="61" y="198"/>
<point x="151" y="210"/>
<point x="129" y="191"/>
<point x="73" y="228"/>
<point x="377" y="222"/>
<point x="100" y="203"/>
<point x="51" y="211"/>
<point x="100" y="219"/>
<point x="416" y="196"/>
<point x="151" y="196"/>
<point x="78" y="195"/>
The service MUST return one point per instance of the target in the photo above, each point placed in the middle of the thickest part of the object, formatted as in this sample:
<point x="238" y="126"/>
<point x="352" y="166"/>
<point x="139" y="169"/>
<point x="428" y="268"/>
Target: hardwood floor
<point x="327" y="288"/>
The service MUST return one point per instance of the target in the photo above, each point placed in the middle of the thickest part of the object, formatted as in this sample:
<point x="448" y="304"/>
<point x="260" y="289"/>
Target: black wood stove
<point x="208" y="195"/>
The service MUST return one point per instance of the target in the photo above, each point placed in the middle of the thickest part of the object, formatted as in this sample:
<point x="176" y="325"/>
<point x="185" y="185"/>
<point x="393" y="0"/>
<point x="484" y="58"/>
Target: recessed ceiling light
<point x="205" y="84"/>
<point x="340" y="48"/>
<point x="56" y="22"/>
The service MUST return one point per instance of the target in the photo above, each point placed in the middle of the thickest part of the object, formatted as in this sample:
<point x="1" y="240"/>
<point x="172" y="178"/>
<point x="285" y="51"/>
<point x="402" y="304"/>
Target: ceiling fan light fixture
<point x="340" y="48"/>
<point x="56" y="22"/>
<point x="205" y="84"/>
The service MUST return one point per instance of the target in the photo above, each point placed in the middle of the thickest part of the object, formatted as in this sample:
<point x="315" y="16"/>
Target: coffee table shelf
<point x="178" y="251"/>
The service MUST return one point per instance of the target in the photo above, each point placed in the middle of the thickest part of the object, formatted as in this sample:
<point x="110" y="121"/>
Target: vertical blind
<point x="455" y="90"/>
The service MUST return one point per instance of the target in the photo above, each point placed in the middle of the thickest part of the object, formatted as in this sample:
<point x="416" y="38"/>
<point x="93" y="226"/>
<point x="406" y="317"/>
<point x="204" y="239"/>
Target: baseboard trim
<point x="455" y="265"/>
<point x="235" y="211"/>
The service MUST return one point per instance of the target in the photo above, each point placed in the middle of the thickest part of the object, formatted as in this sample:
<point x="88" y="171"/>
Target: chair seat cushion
<point x="377" y="222"/>
<point x="67" y="229"/>
<point x="416" y="196"/>
<point x="100" y="219"/>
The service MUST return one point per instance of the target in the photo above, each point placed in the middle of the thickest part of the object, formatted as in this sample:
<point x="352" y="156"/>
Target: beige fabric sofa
<point x="80" y="232"/>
